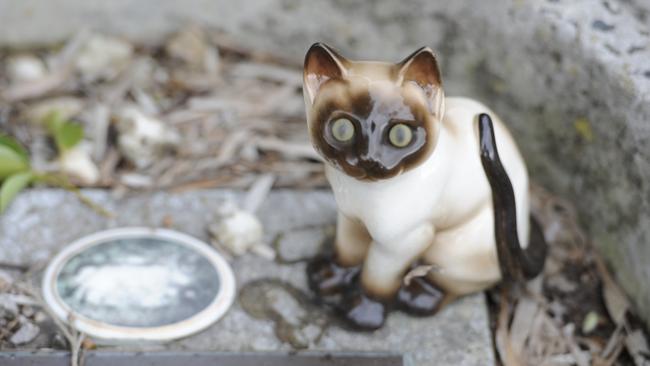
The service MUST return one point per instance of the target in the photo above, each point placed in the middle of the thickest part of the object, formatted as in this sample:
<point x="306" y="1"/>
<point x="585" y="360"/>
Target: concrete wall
<point x="572" y="79"/>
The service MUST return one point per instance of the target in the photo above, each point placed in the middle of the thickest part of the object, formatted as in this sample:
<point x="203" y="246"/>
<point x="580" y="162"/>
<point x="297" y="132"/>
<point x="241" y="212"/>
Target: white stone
<point x="238" y="231"/>
<point x="103" y="56"/>
<point x="25" y="68"/>
<point x="77" y="163"/>
<point x="9" y="305"/>
<point x="142" y="138"/>
<point x="26" y="333"/>
<point x="191" y="46"/>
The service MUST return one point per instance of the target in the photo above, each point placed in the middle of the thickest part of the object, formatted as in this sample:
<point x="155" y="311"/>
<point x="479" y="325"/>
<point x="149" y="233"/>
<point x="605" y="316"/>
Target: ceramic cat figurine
<point x="418" y="180"/>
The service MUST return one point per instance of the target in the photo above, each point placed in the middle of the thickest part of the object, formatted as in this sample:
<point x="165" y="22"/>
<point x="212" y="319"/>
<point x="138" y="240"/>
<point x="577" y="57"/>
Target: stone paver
<point x="41" y="222"/>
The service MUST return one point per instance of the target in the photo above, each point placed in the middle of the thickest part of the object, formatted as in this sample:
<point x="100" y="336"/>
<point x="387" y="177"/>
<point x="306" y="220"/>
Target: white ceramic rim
<point x="199" y="321"/>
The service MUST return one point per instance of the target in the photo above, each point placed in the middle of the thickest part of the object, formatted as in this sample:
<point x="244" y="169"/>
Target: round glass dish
<point x="137" y="283"/>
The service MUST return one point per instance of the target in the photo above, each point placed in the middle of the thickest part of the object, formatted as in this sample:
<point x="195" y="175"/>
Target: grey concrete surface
<point x="571" y="78"/>
<point x="273" y="311"/>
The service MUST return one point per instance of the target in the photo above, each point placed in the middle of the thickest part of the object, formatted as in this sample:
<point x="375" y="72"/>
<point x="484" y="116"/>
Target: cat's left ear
<point x="322" y="63"/>
<point x="422" y="68"/>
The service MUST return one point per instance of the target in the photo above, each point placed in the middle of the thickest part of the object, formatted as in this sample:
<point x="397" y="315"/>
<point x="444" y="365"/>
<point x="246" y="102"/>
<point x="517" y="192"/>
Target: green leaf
<point x="11" y="162"/>
<point x="53" y="121"/>
<point x="12" y="186"/>
<point x="68" y="135"/>
<point x="13" y="145"/>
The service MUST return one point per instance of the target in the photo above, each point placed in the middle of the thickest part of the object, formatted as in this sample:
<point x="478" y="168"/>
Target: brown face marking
<point x="374" y="96"/>
<point x="369" y="155"/>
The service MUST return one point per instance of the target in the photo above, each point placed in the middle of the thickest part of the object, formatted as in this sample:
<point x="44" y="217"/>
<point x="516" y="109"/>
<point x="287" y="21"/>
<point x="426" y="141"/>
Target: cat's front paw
<point x="328" y="278"/>
<point x="419" y="297"/>
<point x="361" y="311"/>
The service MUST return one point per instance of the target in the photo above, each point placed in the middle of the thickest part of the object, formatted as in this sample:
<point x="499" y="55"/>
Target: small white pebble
<point x="103" y="56"/>
<point x="40" y="317"/>
<point x="26" y="333"/>
<point x="142" y="139"/>
<point x="590" y="322"/>
<point x="27" y="311"/>
<point x="25" y="68"/>
<point x="238" y="232"/>
<point x="76" y="162"/>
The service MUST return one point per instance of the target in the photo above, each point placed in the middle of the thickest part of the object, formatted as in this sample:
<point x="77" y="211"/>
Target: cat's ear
<point x="322" y="64"/>
<point x="422" y="68"/>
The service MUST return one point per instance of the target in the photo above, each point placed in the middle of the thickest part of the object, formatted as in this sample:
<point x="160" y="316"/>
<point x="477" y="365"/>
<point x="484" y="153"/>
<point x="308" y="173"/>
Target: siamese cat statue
<point x="419" y="179"/>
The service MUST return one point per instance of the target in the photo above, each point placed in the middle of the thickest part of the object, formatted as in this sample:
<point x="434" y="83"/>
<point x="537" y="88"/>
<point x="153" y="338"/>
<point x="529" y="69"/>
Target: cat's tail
<point x="515" y="263"/>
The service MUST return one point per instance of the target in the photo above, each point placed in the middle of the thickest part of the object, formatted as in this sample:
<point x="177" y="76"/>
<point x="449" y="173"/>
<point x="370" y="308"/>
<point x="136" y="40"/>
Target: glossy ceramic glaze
<point x="427" y="202"/>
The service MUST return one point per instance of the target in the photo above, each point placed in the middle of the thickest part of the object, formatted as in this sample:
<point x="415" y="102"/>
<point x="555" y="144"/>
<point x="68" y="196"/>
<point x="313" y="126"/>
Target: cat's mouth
<point x="370" y="171"/>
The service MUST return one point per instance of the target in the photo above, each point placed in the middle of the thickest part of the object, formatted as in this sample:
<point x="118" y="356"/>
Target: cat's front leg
<point x="382" y="275"/>
<point x="330" y="274"/>
<point x="387" y="262"/>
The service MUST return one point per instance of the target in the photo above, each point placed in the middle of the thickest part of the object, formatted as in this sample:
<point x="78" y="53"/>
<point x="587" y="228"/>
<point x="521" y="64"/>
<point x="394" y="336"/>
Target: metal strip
<point x="98" y="358"/>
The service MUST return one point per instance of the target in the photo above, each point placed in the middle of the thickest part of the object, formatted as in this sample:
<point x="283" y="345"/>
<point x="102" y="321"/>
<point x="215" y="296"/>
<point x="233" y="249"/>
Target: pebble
<point x="237" y="230"/>
<point x="40" y="317"/>
<point x="26" y="333"/>
<point x="28" y="311"/>
<point x="286" y="306"/>
<point x="78" y="163"/>
<point x="58" y="341"/>
<point x="301" y="243"/>
<point x="6" y="279"/>
<point x="142" y="139"/>
<point x="191" y="46"/>
<point x="25" y="68"/>
<point x="8" y="305"/>
<point x="102" y="57"/>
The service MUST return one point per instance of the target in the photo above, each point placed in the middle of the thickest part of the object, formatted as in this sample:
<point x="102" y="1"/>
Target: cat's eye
<point x="342" y="130"/>
<point x="400" y="135"/>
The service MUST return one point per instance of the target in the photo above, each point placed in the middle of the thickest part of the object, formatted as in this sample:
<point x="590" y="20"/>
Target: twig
<point x="62" y="182"/>
<point x="200" y="184"/>
<point x="74" y="338"/>
<point x="502" y="338"/>
<point x="14" y="266"/>
<point x="226" y="43"/>
<point x="77" y="350"/>
<point x="288" y="149"/>
<point x="258" y="192"/>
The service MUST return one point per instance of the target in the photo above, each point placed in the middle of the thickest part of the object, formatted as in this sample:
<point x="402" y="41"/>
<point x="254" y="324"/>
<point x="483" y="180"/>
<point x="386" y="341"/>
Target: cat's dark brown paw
<point x="361" y="311"/>
<point x="420" y="297"/>
<point x="327" y="278"/>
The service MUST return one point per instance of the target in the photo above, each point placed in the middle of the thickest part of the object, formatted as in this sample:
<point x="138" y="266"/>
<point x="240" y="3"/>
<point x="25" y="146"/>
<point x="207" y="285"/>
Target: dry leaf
<point x="637" y="344"/>
<point x="522" y="323"/>
<point x="615" y="300"/>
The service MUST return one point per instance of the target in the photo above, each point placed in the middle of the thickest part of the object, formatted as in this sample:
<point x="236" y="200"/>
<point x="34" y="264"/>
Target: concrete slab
<point x="273" y="311"/>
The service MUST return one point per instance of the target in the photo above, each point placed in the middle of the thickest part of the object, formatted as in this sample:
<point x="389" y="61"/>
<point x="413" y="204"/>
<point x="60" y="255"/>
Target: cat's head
<point x="373" y="120"/>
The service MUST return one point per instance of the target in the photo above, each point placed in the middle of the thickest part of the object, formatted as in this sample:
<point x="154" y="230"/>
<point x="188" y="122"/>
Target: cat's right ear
<point x="322" y="64"/>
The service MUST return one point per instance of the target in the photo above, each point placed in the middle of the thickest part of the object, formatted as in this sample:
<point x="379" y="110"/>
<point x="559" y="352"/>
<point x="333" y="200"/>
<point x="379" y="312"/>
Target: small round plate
<point x="138" y="284"/>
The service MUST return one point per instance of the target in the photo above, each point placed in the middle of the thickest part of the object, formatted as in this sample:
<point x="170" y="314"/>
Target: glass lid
<point x="138" y="283"/>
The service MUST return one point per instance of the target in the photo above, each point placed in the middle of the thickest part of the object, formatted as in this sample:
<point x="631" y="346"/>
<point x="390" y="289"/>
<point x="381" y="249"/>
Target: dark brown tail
<point x="516" y="263"/>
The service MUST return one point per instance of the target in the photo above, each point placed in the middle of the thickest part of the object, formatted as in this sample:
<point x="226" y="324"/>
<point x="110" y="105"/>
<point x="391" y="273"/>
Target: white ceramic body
<point x="440" y="212"/>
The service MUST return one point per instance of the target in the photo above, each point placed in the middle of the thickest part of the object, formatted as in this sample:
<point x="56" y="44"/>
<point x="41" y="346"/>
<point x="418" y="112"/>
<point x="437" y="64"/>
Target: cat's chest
<point x="390" y="208"/>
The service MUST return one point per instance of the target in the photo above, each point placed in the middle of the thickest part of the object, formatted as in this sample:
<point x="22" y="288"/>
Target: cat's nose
<point x="372" y="165"/>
